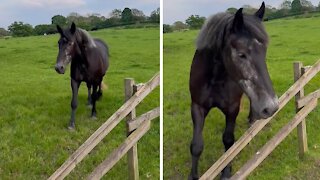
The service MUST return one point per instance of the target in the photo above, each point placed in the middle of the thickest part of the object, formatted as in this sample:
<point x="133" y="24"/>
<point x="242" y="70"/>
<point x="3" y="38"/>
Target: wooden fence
<point x="304" y="105"/>
<point x="136" y="128"/>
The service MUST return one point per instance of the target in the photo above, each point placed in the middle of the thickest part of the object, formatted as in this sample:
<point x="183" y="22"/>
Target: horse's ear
<point x="73" y="28"/>
<point x="260" y="12"/>
<point x="238" y="20"/>
<point x="59" y="30"/>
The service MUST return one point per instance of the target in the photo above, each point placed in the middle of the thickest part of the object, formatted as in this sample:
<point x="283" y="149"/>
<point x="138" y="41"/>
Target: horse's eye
<point x="242" y="56"/>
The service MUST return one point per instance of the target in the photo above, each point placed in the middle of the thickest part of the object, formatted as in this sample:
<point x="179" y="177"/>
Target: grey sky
<point x="37" y="12"/>
<point x="180" y="10"/>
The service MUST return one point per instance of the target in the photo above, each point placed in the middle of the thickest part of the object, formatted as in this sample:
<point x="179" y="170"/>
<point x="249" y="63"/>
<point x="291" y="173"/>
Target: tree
<point x="286" y="4"/>
<point x="42" y="29"/>
<point x="232" y="10"/>
<point x="195" y="21"/>
<point x="4" y="32"/>
<point x="178" y="25"/>
<point x="116" y="13"/>
<point x="59" y="20"/>
<point x="19" y="29"/>
<point x="307" y="5"/>
<point x="155" y="16"/>
<point x="126" y="15"/>
<point x="167" y="28"/>
<point x="138" y="15"/>
<point x="296" y="6"/>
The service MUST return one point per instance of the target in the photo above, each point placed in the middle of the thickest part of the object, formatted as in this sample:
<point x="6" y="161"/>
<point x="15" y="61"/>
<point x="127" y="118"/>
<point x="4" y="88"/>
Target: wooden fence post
<point x="133" y="152"/>
<point x="301" y="128"/>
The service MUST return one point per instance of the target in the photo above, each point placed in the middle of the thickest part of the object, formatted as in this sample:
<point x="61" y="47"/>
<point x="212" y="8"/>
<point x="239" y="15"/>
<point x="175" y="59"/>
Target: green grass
<point x="35" y="106"/>
<point x="290" y="40"/>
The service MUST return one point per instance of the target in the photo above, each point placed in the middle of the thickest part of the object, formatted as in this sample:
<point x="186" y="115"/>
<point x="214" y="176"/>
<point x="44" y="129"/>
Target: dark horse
<point x="89" y="63"/>
<point x="229" y="61"/>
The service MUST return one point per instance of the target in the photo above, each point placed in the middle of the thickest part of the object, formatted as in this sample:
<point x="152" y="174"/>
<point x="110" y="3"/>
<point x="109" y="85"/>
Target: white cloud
<point x="51" y="3"/>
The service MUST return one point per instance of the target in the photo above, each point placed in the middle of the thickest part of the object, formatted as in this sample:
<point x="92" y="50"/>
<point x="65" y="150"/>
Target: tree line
<point x="91" y="22"/>
<point x="286" y="8"/>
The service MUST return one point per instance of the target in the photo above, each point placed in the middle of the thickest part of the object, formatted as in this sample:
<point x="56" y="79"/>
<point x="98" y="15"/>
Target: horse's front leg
<point x="231" y="114"/>
<point x="74" y="102"/>
<point x="94" y="98"/>
<point x="198" y="114"/>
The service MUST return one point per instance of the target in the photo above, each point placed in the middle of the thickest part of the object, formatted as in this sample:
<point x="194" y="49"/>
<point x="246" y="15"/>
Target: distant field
<point x="290" y="40"/>
<point x="35" y="106"/>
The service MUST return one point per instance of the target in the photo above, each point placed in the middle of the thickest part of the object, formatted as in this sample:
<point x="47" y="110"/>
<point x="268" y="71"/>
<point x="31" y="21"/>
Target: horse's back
<point x="103" y="49"/>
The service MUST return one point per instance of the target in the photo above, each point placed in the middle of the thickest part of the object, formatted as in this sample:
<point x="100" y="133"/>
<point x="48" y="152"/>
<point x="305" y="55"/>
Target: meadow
<point x="290" y="40"/>
<point x="35" y="106"/>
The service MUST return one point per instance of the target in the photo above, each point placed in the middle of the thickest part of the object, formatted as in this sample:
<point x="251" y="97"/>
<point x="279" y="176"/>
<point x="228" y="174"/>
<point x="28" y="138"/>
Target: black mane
<point x="215" y="30"/>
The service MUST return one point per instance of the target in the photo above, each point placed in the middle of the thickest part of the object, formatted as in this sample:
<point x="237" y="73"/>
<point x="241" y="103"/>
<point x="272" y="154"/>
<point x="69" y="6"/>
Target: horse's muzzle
<point x="60" y="69"/>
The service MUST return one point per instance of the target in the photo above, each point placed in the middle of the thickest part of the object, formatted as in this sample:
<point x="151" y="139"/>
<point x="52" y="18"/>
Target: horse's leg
<point x="231" y="114"/>
<point x="89" y="95"/>
<point x="198" y="114"/>
<point x="74" y="102"/>
<point x="94" y="99"/>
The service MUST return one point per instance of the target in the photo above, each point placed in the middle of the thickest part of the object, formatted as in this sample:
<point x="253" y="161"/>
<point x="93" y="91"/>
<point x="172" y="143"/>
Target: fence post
<point x="301" y="128"/>
<point x="133" y="152"/>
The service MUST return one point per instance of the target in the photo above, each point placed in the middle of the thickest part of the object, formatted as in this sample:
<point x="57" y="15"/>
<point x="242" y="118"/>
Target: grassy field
<point x="290" y="40"/>
<point x="35" y="106"/>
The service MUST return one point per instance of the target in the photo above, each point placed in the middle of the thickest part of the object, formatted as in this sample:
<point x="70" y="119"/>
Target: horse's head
<point x="244" y="61"/>
<point x="67" y="47"/>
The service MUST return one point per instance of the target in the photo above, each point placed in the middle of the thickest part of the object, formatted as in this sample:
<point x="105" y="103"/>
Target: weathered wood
<point x="105" y="128"/>
<point x="301" y="128"/>
<point x="133" y="163"/>
<point x="137" y="87"/>
<point x="117" y="154"/>
<point x="306" y="99"/>
<point x="274" y="142"/>
<point x="135" y="123"/>
<point x="227" y="157"/>
<point x="305" y="69"/>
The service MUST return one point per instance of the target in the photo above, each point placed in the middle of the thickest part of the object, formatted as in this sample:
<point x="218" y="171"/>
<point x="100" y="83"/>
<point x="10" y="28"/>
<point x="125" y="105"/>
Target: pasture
<point x="290" y="40"/>
<point x="35" y="106"/>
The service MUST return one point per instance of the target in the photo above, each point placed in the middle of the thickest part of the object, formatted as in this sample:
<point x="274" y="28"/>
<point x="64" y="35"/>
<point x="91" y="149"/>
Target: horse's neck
<point x="218" y="70"/>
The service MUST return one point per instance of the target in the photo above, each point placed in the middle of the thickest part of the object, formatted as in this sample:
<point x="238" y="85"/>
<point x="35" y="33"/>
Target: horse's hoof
<point x="94" y="117"/>
<point x="71" y="128"/>
<point x="89" y="106"/>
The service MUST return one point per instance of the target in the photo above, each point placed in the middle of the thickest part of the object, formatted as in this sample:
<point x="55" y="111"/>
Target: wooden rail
<point x="236" y="148"/>
<point x="105" y="128"/>
<point x="118" y="153"/>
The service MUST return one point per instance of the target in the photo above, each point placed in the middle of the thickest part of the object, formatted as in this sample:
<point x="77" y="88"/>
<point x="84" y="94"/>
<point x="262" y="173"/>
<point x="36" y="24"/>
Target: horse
<point x="89" y="59"/>
<point x="229" y="61"/>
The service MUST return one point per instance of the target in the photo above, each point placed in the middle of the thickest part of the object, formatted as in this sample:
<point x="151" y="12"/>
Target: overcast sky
<point x="180" y="10"/>
<point x="37" y="12"/>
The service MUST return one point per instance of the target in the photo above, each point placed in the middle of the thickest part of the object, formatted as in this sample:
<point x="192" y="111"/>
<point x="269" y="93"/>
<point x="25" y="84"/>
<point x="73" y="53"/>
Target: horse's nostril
<point x="266" y="111"/>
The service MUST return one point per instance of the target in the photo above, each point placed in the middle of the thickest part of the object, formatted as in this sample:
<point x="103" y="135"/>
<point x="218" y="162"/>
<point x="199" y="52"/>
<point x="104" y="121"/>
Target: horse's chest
<point x="80" y="73"/>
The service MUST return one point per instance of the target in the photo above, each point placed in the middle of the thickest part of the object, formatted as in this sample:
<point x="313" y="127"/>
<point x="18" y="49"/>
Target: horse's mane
<point x="215" y="30"/>
<point x="84" y="38"/>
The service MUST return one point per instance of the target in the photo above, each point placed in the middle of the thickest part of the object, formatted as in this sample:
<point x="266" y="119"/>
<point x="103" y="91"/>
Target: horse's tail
<point x="102" y="87"/>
